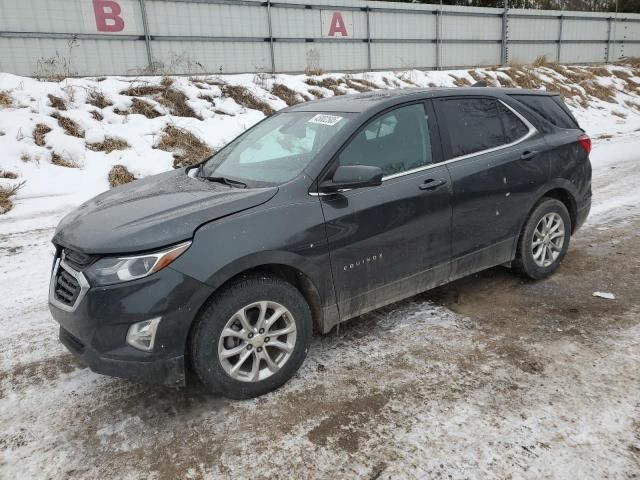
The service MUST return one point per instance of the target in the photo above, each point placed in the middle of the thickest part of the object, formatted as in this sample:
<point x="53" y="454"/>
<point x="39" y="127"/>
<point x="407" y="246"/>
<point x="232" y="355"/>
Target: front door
<point x="391" y="241"/>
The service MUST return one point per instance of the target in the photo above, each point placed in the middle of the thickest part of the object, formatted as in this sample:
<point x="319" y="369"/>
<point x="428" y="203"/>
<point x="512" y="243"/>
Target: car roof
<point x="380" y="99"/>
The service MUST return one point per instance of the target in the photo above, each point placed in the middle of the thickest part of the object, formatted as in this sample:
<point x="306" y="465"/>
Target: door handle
<point x="528" y="154"/>
<point x="432" y="184"/>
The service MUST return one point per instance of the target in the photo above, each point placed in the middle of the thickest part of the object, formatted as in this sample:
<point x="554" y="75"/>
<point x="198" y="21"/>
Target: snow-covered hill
<point x="62" y="139"/>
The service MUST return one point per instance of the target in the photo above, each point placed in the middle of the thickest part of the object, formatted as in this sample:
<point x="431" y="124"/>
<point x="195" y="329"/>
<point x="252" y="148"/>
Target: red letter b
<point x="108" y="17"/>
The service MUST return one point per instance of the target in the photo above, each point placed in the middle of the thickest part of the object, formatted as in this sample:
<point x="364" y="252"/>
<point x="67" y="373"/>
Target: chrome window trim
<point x="532" y="131"/>
<point x="79" y="276"/>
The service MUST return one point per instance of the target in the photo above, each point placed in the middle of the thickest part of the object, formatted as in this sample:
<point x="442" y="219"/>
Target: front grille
<point x="68" y="285"/>
<point x="67" y="288"/>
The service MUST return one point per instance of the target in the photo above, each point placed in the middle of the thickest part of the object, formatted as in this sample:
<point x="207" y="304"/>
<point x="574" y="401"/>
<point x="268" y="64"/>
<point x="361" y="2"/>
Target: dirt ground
<point x="488" y="377"/>
<point x="522" y="380"/>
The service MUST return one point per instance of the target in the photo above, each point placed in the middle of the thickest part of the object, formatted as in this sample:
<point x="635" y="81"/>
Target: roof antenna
<point x="481" y="83"/>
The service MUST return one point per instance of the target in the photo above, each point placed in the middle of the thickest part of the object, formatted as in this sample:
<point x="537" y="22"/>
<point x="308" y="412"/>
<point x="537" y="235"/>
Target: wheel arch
<point x="561" y="190"/>
<point x="286" y="267"/>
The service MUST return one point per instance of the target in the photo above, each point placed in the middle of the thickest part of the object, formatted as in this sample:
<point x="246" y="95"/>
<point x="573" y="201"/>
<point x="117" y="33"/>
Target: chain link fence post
<point x="561" y="19"/>
<point x="368" y="12"/>
<point x="438" y="27"/>
<point x="273" y="57"/>
<point x="504" y="52"/>
<point x="147" y="37"/>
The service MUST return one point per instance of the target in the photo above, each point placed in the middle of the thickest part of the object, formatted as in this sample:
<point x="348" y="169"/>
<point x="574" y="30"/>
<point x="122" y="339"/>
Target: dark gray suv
<point x="321" y="212"/>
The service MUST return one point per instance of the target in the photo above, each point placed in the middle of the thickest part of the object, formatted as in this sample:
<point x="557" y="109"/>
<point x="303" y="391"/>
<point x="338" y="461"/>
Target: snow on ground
<point x="537" y="387"/>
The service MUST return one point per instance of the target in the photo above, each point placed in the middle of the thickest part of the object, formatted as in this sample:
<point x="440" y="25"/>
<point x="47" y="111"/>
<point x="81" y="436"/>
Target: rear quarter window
<point x="547" y="108"/>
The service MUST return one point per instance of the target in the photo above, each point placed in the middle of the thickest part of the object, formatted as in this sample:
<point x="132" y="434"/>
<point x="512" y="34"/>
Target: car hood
<point x="152" y="213"/>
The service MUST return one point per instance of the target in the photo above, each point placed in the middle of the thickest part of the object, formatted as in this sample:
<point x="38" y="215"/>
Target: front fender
<point x="288" y="234"/>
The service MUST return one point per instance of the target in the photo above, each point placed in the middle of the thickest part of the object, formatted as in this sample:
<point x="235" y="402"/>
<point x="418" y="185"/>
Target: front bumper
<point x="95" y="329"/>
<point x="168" y="371"/>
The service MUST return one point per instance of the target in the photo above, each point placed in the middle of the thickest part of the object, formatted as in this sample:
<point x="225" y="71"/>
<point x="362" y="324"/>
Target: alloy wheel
<point x="548" y="239"/>
<point x="257" y="341"/>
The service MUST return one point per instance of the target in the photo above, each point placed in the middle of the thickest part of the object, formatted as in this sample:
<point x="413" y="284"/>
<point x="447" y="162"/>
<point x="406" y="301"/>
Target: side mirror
<point x="352" y="176"/>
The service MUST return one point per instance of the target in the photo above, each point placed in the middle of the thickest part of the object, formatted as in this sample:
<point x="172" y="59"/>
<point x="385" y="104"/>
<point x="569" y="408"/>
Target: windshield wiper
<point x="227" y="181"/>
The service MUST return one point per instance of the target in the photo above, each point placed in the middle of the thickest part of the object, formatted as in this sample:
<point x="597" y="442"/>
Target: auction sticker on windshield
<point x="330" y="120"/>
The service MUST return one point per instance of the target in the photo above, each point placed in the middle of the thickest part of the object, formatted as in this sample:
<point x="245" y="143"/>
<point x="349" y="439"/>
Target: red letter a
<point x="108" y="17"/>
<point x="337" y="25"/>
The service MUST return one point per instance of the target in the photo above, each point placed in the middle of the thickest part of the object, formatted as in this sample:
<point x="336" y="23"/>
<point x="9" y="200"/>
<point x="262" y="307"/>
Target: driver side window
<point x="396" y="142"/>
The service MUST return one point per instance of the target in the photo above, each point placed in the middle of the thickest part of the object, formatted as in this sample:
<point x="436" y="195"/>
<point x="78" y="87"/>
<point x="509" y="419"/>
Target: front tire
<point x="544" y="240"/>
<point x="252" y="337"/>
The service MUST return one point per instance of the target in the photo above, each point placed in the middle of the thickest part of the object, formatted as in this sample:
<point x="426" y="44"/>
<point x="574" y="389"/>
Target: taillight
<point x="585" y="142"/>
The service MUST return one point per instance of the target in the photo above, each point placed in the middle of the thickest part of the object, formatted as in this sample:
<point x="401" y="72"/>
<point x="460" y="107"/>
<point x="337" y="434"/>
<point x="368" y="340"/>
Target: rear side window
<point x="472" y="125"/>
<point x="514" y="128"/>
<point x="547" y="108"/>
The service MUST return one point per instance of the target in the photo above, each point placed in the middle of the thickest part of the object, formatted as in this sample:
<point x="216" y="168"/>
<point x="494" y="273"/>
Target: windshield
<point x="276" y="150"/>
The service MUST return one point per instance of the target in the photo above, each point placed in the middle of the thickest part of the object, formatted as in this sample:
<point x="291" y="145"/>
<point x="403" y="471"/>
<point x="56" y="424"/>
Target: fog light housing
<point x="142" y="335"/>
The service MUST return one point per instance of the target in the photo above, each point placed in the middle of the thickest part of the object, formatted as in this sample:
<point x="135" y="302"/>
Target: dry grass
<point x="209" y="98"/>
<point x="97" y="99"/>
<point x="362" y="81"/>
<point x="483" y="77"/>
<point x="119" y="175"/>
<point x="57" y="102"/>
<point x="283" y="92"/>
<point x="119" y="111"/>
<point x="313" y="71"/>
<point x="245" y="98"/>
<point x="316" y="92"/>
<point x="187" y="149"/>
<point x="632" y="104"/>
<point x="174" y="100"/>
<point x="633" y="62"/>
<point x="622" y="74"/>
<point x="142" y="91"/>
<point x="109" y="145"/>
<point x="144" y="108"/>
<point x="97" y="115"/>
<point x="166" y="81"/>
<point x="60" y="161"/>
<point x="69" y="126"/>
<point x="619" y="114"/>
<point x="460" y="81"/>
<point x="6" y="193"/>
<point x="5" y="99"/>
<point x="329" y="83"/>
<point x="8" y="175"/>
<point x="360" y="85"/>
<point x="541" y="61"/>
<point x="600" y="71"/>
<point x="39" y="133"/>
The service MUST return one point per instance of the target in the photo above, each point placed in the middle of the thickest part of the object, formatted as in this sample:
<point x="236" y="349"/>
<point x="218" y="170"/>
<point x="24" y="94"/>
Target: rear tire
<point x="252" y="337"/>
<point x="544" y="240"/>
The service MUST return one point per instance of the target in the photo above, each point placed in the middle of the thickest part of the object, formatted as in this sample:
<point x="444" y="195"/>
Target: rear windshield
<point x="548" y="108"/>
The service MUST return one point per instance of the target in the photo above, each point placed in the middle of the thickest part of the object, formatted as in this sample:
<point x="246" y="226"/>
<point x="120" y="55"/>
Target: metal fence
<point x="128" y="37"/>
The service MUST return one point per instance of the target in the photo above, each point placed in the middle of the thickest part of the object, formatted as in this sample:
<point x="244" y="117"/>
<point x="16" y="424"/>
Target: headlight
<point x="110" y="270"/>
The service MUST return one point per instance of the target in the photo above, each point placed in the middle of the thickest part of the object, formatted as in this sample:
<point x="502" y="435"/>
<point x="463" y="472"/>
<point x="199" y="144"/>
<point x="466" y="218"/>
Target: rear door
<point x="493" y="156"/>
<point x="391" y="241"/>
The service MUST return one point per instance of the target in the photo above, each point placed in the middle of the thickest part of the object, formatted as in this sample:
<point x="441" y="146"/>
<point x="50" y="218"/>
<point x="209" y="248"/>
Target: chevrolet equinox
<point x="319" y="213"/>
